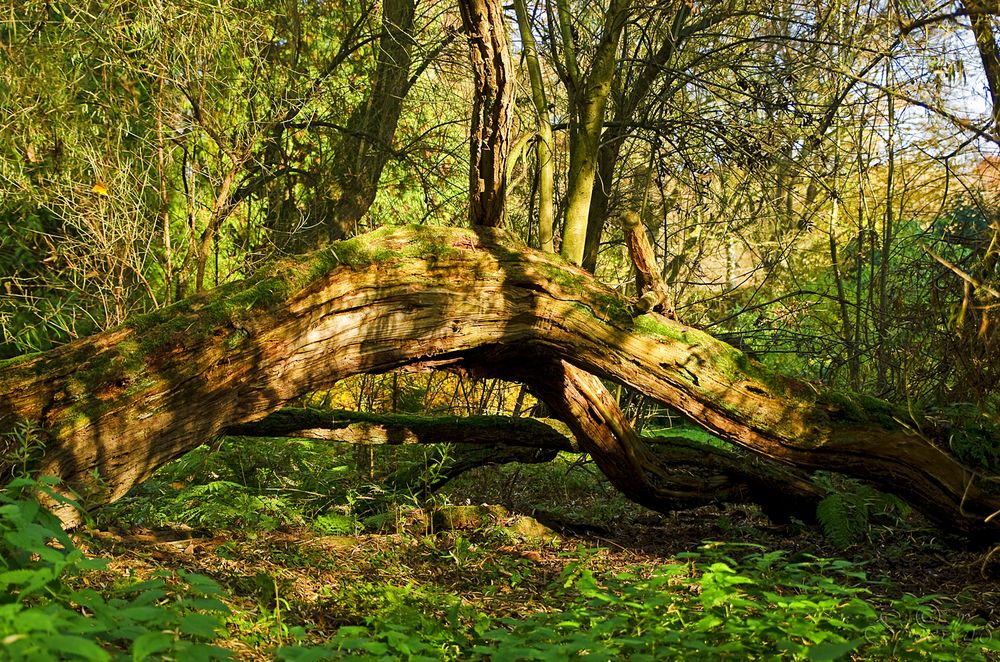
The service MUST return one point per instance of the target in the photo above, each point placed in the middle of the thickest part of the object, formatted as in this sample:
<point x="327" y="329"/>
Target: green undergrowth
<point x="252" y="483"/>
<point x="309" y="560"/>
<point x="49" y="612"/>
<point x="719" y="602"/>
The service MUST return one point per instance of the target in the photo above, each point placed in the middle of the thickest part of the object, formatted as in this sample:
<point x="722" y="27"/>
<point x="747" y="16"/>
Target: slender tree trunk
<point x="847" y="329"/>
<point x="883" y="320"/>
<point x="492" y="111"/>
<point x="597" y="215"/>
<point x="543" y="146"/>
<point x="366" y="146"/>
<point x="164" y="211"/>
<point x="590" y="101"/>
<point x="221" y="209"/>
<point x="614" y="137"/>
<point x="981" y="17"/>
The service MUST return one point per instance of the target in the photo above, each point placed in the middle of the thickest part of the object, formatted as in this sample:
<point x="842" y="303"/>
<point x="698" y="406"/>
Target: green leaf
<point x="197" y="652"/>
<point x="200" y="625"/>
<point x="142" y="614"/>
<point x="22" y="576"/>
<point x="201" y="583"/>
<point x="207" y="604"/>
<point x="149" y="643"/>
<point x="76" y="647"/>
<point x="33" y="620"/>
<point x="300" y="654"/>
<point x="832" y="650"/>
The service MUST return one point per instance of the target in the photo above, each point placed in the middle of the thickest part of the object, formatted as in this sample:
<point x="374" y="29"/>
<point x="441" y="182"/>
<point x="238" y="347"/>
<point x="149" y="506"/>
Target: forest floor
<point x="433" y="575"/>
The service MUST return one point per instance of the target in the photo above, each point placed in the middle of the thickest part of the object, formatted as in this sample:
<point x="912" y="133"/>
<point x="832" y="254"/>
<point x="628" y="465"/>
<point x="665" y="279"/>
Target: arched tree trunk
<point x="106" y="411"/>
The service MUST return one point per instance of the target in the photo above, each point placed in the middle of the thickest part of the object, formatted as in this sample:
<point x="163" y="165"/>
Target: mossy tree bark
<point x="365" y="146"/>
<point x="107" y="410"/>
<point x="631" y="93"/>
<point x="687" y="473"/>
<point x="588" y="97"/>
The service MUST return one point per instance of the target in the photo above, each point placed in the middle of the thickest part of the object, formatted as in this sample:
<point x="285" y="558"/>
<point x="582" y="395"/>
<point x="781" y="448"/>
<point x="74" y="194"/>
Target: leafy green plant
<point x="412" y="622"/>
<point x="847" y="512"/>
<point x="25" y="444"/>
<point x="722" y="602"/>
<point x="225" y="504"/>
<point x="336" y="524"/>
<point x="44" y="614"/>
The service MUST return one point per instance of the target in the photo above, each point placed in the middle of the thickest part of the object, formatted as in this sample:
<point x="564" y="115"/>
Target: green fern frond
<point x="844" y="519"/>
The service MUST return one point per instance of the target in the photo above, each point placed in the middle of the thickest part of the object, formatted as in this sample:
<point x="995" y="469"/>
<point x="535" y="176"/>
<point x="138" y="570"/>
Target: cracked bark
<point x="113" y="407"/>
<point x="492" y="110"/>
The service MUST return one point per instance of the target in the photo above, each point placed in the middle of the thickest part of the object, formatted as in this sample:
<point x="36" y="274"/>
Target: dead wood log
<point x="354" y="427"/>
<point x="686" y="473"/>
<point x="110" y="408"/>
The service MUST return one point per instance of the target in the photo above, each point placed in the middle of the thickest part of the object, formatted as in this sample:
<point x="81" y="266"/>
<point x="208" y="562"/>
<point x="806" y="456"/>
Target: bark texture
<point x="474" y="441"/>
<point x="109" y="409"/>
<point x="981" y="15"/>
<point x="402" y="429"/>
<point x="589" y="98"/>
<point x="366" y="146"/>
<point x="687" y="473"/>
<point x="652" y="290"/>
<point x="492" y="109"/>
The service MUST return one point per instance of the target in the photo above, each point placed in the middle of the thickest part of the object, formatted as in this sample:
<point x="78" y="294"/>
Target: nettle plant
<point x="48" y="613"/>
<point x="722" y="602"/>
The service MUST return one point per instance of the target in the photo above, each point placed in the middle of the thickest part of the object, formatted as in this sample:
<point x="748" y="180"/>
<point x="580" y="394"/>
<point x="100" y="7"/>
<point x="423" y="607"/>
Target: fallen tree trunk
<point x="698" y="474"/>
<point x="474" y="441"/>
<point x="107" y="410"/>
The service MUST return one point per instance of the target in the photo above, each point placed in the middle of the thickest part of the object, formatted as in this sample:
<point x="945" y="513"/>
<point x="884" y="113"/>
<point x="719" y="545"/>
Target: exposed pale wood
<point x="115" y="406"/>
<point x="652" y="291"/>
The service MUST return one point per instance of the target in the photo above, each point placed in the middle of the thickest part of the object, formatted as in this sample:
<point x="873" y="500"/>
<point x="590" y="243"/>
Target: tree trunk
<point x="492" y="110"/>
<point x="107" y="410"/>
<point x="590" y="97"/>
<point x="981" y="13"/>
<point x="543" y="146"/>
<point x="633" y="93"/>
<point x="689" y="473"/>
<point x="366" y="145"/>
